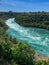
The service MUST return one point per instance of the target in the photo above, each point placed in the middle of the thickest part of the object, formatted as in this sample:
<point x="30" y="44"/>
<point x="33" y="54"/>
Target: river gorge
<point x="37" y="38"/>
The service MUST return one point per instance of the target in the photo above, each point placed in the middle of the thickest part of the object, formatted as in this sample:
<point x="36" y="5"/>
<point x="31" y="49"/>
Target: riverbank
<point x="39" y="58"/>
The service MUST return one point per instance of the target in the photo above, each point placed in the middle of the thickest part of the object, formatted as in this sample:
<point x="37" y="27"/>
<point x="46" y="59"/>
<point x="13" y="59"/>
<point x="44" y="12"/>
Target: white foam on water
<point x="17" y="27"/>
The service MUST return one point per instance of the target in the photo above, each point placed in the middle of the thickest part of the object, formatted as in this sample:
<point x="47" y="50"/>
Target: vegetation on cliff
<point x="36" y="19"/>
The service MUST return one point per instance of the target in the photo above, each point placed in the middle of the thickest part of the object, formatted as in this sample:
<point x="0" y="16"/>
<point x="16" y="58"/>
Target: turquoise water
<point x="37" y="38"/>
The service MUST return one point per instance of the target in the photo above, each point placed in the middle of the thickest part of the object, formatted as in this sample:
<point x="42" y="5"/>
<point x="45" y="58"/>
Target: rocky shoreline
<point x="37" y="57"/>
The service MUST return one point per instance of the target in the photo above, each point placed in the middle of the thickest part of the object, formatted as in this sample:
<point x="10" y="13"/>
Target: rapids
<point x="37" y="38"/>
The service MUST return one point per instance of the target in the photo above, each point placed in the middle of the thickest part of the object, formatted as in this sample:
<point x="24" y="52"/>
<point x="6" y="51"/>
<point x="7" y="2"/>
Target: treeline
<point x="10" y="14"/>
<point x="34" y="19"/>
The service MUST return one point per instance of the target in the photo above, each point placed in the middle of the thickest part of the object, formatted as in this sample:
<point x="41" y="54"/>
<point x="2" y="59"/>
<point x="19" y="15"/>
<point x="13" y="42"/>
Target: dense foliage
<point x="37" y="19"/>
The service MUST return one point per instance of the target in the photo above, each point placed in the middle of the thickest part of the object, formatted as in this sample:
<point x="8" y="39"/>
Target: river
<point x="37" y="38"/>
